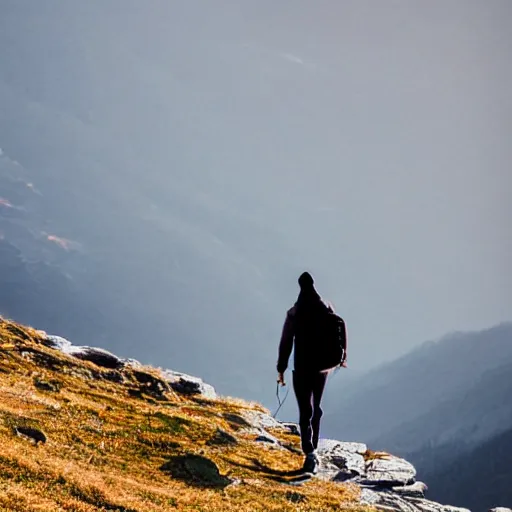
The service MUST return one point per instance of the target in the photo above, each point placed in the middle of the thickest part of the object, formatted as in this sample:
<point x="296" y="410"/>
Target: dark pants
<point x="309" y="387"/>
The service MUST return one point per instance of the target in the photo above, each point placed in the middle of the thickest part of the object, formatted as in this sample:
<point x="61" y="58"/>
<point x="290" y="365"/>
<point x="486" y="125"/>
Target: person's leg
<point x="318" y="382"/>
<point x="304" y="393"/>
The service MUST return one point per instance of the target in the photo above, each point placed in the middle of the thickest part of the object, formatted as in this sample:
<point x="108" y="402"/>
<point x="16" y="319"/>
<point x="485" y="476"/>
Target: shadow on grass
<point x="262" y="468"/>
<point x="195" y="470"/>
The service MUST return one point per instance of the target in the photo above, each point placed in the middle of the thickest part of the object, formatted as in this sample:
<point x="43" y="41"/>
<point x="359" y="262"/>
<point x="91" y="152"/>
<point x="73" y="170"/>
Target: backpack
<point x="332" y="341"/>
<point x="320" y="341"/>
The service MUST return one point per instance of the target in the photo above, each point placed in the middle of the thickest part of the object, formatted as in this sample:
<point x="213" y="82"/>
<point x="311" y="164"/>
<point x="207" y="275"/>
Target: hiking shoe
<point x="311" y="463"/>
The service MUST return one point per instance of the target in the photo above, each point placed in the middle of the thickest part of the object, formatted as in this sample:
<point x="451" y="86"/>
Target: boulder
<point x="98" y="356"/>
<point x="259" y="420"/>
<point x="326" y="446"/>
<point x="345" y="458"/>
<point x="189" y="385"/>
<point x="389" y="471"/>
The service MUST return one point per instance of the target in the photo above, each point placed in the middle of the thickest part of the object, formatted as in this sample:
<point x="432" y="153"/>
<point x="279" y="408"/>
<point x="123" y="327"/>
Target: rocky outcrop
<point x="391" y="499"/>
<point x="178" y="382"/>
<point x="189" y="385"/>
<point x="387" y="482"/>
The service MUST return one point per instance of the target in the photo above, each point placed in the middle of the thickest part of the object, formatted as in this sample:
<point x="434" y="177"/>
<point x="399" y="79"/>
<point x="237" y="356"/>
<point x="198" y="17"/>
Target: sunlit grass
<point x="105" y="447"/>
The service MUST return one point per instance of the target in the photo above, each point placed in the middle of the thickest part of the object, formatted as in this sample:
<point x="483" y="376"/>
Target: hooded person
<point x="304" y="325"/>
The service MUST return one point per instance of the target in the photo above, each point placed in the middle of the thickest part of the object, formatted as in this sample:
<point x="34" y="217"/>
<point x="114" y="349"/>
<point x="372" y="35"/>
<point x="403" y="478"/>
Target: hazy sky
<point x="223" y="147"/>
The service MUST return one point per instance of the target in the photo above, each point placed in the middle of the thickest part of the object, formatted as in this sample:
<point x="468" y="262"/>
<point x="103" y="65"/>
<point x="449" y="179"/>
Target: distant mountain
<point x="436" y="390"/>
<point x="446" y="407"/>
<point x="471" y="416"/>
<point x="486" y="471"/>
<point x="62" y="272"/>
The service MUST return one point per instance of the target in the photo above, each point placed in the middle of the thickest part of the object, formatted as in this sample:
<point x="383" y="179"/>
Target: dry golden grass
<point x="105" y="447"/>
<point x="371" y="455"/>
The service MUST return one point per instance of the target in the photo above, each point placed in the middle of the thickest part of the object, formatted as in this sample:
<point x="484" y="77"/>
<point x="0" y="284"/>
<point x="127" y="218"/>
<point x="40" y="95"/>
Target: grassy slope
<point x="105" y="447"/>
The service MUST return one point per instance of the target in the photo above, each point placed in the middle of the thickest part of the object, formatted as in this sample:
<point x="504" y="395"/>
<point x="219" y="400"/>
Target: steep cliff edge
<point x="83" y="430"/>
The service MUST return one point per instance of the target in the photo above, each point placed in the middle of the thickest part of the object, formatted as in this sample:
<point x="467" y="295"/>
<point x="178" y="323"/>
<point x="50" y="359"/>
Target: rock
<point x="267" y="438"/>
<point x="57" y="342"/>
<point x="331" y="445"/>
<point x="195" y="470"/>
<point x="255" y="422"/>
<point x="259" y="420"/>
<point x="344" y="476"/>
<point x="222" y="438"/>
<point x="34" y="434"/>
<point x="179" y="382"/>
<point x="132" y="363"/>
<point x="415" y="490"/>
<point x="389" y="500"/>
<point x="189" y="385"/>
<point x="346" y="457"/>
<point x="98" y="356"/>
<point x="151" y="384"/>
<point x="390" y="471"/>
<point x="292" y="428"/>
<point x="340" y="461"/>
<point x="369" y="497"/>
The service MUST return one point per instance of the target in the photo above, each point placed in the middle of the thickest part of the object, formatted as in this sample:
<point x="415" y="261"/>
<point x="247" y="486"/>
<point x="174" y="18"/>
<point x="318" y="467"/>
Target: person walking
<point x="318" y="337"/>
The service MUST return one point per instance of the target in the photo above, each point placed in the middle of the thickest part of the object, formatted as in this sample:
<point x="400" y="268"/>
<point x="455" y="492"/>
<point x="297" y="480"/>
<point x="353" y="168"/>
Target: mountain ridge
<point x="402" y="390"/>
<point x="486" y="469"/>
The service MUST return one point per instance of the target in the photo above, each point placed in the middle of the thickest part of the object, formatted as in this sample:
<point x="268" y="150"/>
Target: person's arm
<point x="286" y="345"/>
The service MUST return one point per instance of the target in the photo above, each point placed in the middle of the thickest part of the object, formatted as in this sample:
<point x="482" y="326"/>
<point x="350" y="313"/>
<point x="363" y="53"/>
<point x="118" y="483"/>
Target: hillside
<point x="409" y="395"/>
<point x="113" y="439"/>
<point x="83" y="430"/>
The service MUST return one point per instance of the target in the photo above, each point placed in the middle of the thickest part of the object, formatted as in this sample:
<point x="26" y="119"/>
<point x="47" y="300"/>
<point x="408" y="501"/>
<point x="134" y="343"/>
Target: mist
<point x="175" y="166"/>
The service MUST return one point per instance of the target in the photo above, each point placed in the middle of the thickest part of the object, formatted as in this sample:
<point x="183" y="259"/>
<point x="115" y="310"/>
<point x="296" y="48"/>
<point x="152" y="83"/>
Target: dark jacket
<point x="299" y="330"/>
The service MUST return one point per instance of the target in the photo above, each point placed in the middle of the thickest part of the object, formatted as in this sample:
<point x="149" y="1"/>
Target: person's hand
<point x="280" y="379"/>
